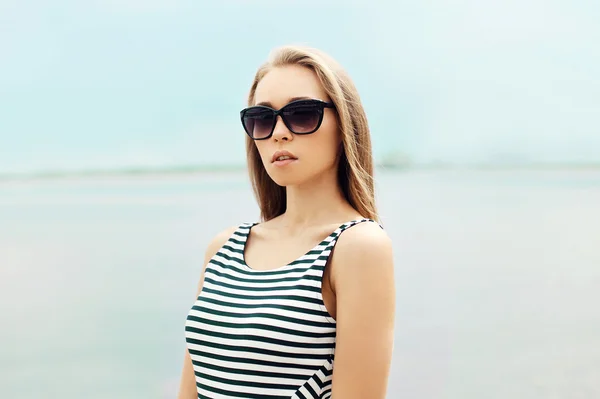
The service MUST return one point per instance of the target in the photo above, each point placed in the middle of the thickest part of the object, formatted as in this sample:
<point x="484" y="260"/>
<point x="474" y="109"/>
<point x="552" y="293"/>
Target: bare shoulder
<point x="363" y="282"/>
<point x="365" y="235"/>
<point x="362" y="249"/>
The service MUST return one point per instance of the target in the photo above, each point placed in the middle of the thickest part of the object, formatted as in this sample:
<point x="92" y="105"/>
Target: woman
<point x="275" y="303"/>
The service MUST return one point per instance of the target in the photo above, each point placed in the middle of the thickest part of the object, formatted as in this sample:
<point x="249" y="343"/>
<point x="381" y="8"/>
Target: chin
<point x="283" y="180"/>
<point x="286" y="176"/>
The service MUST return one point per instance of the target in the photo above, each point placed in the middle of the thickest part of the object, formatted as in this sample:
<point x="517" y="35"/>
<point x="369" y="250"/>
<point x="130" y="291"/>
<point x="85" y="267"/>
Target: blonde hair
<point x="355" y="170"/>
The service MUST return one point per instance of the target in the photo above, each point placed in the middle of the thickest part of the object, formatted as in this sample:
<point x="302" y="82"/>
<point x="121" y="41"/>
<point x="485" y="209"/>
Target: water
<point x="498" y="281"/>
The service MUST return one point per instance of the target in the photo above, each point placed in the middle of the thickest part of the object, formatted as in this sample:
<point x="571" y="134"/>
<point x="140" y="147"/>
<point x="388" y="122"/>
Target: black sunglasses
<point x="300" y="117"/>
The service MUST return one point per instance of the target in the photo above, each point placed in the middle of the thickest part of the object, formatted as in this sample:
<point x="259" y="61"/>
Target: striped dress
<point x="263" y="334"/>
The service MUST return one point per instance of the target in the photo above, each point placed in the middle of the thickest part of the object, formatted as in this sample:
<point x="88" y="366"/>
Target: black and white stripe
<point x="263" y="334"/>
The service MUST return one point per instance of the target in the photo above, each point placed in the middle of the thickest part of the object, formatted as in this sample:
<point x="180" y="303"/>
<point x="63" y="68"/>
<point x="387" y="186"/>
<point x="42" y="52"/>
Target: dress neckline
<point x="323" y="243"/>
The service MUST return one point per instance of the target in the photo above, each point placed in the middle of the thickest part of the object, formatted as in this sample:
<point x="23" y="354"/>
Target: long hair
<point x="355" y="170"/>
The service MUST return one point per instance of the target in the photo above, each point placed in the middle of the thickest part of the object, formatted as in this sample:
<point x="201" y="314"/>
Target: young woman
<point x="300" y="305"/>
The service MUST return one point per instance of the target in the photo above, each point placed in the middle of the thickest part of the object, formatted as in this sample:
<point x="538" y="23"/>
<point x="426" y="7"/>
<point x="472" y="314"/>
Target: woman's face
<point x="313" y="155"/>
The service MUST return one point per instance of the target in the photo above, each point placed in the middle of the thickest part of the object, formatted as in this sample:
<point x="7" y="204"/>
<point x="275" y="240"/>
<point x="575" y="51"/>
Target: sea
<point x="497" y="274"/>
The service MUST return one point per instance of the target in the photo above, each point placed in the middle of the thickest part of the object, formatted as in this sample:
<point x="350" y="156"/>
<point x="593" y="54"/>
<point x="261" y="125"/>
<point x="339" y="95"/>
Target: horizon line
<point x="381" y="166"/>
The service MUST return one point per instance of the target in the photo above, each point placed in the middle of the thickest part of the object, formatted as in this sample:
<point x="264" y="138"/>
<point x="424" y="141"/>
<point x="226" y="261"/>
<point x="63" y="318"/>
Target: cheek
<point x="261" y="147"/>
<point x="331" y="143"/>
<point x="324" y="151"/>
<point x="332" y="132"/>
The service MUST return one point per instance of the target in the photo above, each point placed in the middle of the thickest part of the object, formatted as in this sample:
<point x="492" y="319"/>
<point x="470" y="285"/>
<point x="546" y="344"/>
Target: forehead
<point x="281" y="84"/>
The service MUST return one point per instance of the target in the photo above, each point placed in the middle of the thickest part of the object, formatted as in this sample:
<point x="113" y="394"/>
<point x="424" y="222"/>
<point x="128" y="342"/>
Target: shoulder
<point x="363" y="250"/>
<point x="363" y="283"/>
<point x="217" y="241"/>
<point x="213" y="246"/>
<point x="362" y="240"/>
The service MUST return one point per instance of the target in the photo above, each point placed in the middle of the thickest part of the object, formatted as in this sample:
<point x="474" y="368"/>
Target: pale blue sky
<point x="120" y="83"/>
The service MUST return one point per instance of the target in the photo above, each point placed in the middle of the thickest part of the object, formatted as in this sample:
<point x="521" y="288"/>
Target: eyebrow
<point x="268" y="104"/>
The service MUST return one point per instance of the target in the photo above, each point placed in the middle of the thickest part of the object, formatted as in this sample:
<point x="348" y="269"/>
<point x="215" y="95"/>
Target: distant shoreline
<point x="204" y="169"/>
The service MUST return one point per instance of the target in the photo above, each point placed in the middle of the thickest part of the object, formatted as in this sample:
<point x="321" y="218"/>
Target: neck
<point x="317" y="202"/>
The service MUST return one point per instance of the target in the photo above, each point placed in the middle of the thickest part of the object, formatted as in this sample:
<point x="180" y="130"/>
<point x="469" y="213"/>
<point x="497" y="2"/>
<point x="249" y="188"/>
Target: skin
<point x="358" y="283"/>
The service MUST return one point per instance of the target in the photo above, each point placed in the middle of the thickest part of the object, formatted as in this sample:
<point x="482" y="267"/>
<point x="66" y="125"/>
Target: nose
<point x="281" y="132"/>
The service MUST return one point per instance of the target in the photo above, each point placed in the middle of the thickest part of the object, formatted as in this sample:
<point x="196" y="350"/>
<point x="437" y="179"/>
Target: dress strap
<point x="237" y="240"/>
<point x="345" y="226"/>
<point x="243" y="231"/>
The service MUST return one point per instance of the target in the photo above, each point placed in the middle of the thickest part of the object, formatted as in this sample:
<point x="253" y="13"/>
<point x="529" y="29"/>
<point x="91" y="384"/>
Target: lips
<point x="282" y="155"/>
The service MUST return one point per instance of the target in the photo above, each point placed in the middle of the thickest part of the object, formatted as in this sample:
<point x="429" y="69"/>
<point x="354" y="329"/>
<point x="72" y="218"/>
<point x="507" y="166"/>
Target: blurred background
<point x="121" y="155"/>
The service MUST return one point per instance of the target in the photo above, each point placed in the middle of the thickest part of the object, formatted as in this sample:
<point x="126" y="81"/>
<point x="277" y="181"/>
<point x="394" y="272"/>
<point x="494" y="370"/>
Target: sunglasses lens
<point x="258" y="122"/>
<point x="302" y="118"/>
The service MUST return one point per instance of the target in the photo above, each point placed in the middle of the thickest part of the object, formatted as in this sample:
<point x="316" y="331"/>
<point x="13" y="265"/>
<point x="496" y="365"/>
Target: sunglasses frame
<point x="319" y="107"/>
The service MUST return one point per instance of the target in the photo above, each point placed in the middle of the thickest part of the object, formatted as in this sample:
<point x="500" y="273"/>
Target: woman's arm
<point x="187" y="384"/>
<point x="362" y="277"/>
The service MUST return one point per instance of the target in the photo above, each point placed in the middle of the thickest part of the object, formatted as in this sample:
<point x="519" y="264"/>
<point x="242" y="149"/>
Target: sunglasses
<point x="300" y="117"/>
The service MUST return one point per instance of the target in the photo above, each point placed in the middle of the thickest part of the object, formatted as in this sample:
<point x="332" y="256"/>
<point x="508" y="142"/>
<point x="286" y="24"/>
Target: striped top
<point x="263" y="334"/>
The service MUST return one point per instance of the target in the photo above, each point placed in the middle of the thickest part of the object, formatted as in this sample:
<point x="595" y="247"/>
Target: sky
<point x="108" y="84"/>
